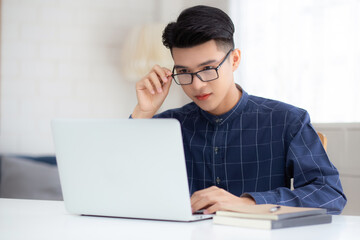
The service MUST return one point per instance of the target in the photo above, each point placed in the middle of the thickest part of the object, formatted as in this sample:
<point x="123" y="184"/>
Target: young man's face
<point x="217" y="96"/>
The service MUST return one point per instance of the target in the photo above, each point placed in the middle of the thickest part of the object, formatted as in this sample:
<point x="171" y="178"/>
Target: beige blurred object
<point x="143" y="49"/>
<point x="323" y="139"/>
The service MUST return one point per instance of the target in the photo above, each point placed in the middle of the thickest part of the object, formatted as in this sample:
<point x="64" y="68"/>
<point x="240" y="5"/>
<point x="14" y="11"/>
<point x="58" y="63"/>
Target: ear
<point x="236" y="58"/>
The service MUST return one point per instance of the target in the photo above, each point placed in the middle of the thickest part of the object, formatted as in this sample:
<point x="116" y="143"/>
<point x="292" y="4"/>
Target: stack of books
<point x="269" y="216"/>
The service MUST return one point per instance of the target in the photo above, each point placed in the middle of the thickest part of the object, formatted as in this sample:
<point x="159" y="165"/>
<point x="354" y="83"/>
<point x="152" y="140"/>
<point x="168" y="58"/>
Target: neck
<point x="232" y="98"/>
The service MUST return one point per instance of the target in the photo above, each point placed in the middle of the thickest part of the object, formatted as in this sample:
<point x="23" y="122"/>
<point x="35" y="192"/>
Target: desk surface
<point x="34" y="219"/>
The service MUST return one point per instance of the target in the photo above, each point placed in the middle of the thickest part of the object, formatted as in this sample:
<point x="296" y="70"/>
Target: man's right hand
<point x="151" y="92"/>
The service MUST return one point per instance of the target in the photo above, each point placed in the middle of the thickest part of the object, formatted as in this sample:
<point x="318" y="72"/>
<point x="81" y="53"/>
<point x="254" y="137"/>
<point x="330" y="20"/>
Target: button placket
<point x="218" y="158"/>
<point x="218" y="180"/>
<point x="218" y="120"/>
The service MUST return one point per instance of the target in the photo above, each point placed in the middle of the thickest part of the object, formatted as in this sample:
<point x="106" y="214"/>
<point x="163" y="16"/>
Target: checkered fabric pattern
<point x="255" y="149"/>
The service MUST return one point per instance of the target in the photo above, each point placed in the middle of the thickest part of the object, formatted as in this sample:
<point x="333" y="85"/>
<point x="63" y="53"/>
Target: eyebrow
<point x="201" y="64"/>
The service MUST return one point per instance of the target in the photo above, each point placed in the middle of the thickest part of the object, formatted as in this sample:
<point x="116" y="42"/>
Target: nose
<point x="197" y="83"/>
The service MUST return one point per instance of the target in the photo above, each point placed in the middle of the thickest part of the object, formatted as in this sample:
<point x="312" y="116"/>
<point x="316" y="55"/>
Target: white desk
<point x="32" y="219"/>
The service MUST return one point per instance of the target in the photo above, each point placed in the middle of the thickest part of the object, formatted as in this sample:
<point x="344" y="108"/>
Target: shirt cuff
<point x="262" y="197"/>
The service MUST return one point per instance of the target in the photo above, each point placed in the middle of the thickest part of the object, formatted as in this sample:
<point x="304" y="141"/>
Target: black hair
<point x="197" y="25"/>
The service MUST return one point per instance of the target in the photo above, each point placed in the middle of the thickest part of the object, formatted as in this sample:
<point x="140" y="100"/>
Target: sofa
<point x="29" y="177"/>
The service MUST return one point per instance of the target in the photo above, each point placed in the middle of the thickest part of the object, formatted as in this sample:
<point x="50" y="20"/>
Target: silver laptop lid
<point x="124" y="168"/>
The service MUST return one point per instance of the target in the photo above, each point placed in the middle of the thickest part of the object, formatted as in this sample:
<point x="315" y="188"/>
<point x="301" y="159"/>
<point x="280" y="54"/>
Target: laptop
<point x="131" y="168"/>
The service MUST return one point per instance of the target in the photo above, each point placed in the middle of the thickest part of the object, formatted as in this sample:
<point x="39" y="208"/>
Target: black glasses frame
<point x="197" y="73"/>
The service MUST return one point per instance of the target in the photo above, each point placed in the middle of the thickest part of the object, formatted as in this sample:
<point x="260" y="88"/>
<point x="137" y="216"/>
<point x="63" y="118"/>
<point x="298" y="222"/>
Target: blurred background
<point x="81" y="59"/>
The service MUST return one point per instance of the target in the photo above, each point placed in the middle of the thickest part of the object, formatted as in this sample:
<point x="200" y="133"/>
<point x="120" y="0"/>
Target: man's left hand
<point x="213" y="199"/>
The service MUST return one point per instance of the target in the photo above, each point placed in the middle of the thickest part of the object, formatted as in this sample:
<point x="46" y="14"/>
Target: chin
<point x="204" y="106"/>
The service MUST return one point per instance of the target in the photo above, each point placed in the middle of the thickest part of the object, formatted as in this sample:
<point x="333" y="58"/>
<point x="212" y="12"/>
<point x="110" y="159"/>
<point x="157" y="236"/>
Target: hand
<point x="151" y="92"/>
<point x="213" y="199"/>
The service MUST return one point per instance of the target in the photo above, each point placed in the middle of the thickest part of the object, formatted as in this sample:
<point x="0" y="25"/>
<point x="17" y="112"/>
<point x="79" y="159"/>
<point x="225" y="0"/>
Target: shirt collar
<point x="230" y="115"/>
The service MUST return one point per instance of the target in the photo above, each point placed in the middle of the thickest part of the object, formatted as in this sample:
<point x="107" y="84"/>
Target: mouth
<point x="203" y="96"/>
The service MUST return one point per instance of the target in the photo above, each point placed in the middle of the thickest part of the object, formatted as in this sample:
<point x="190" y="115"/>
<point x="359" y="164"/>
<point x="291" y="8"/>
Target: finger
<point x="199" y="195"/>
<point x="149" y="86"/>
<point x="167" y="85"/>
<point x="203" y="200"/>
<point x="213" y="208"/>
<point x="168" y="72"/>
<point x="204" y="191"/>
<point x="154" y="78"/>
<point x="204" y="197"/>
<point x="161" y="73"/>
<point x="203" y="203"/>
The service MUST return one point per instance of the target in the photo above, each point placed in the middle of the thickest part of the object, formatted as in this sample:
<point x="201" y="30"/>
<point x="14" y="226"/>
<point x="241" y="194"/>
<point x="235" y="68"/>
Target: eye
<point x="208" y="67"/>
<point x="181" y="70"/>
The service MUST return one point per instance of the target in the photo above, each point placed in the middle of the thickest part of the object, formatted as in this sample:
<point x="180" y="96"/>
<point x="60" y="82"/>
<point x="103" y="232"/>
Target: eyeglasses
<point x="205" y="75"/>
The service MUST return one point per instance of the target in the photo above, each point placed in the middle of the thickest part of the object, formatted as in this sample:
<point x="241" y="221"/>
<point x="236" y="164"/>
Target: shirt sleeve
<point x="166" y="114"/>
<point x="316" y="180"/>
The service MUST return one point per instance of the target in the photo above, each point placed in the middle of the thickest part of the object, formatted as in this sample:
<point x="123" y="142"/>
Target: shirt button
<point x="216" y="149"/>
<point x="218" y="180"/>
<point x="218" y="120"/>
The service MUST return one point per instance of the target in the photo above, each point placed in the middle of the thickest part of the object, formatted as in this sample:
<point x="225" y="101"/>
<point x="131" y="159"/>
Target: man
<point x="239" y="149"/>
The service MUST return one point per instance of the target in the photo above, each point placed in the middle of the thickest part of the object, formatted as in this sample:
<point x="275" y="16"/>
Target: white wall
<point x="305" y="53"/>
<point x="61" y="59"/>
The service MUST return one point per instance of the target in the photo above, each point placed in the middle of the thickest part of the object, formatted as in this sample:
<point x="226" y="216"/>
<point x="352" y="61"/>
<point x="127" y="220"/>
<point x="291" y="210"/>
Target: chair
<point x="323" y="139"/>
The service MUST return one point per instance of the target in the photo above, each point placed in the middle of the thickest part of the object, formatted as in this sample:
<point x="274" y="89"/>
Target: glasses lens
<point x="183" y="79"/>
<point x="208" y="74"/>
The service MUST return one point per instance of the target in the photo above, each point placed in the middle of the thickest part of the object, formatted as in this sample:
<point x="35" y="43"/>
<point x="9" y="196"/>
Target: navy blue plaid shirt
<point x="255" y="149"/>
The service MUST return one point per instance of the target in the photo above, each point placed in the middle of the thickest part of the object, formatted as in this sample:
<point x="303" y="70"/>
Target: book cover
<point x="273" y="224"/>
<point x="264" y="211"/>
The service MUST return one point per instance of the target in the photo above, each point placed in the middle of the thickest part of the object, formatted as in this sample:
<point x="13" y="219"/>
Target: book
<point x="262" y="211"/>
<point x="269" y="216"/>
<point x="273" y="224"/>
